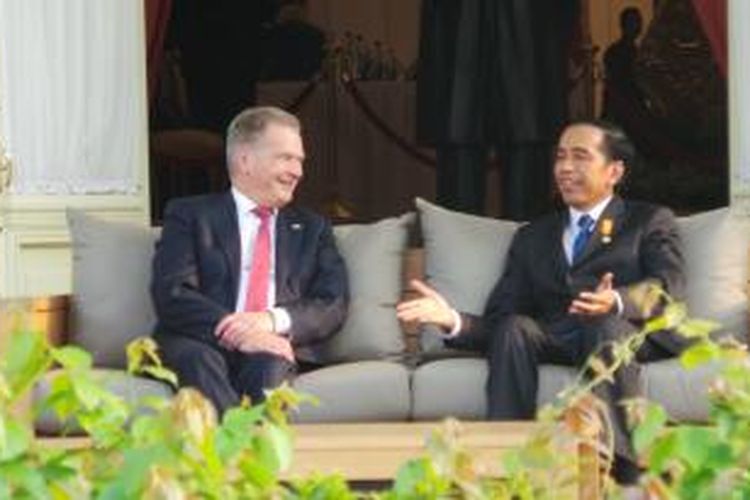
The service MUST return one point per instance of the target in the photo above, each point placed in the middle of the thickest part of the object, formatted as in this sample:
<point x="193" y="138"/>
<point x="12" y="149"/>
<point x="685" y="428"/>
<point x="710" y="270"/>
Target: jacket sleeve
<point x="321" y="307"/>
<point x="662" y="261"/>
<point x="181" y="306"/>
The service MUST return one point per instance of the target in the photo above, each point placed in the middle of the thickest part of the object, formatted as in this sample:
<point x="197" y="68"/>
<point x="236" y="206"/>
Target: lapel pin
<point x="605" y="228"/>
<point x="296" y="226"/>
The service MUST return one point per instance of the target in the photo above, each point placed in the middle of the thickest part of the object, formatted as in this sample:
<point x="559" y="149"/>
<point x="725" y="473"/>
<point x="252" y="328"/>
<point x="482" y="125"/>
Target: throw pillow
<point x="716" y="260"/>
<point x="111" y="277"/>
<point x="373" y="254"/>
<point x="464" y="257"/>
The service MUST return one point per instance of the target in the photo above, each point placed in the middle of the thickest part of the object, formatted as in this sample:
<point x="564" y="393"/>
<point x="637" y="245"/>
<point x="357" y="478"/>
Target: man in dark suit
<point x="568" y="285"/>
<point x="244" y="285"/>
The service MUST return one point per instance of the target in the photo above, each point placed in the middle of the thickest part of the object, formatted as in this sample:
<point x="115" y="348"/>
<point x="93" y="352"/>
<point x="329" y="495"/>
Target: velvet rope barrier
<point x="383" y="127"/>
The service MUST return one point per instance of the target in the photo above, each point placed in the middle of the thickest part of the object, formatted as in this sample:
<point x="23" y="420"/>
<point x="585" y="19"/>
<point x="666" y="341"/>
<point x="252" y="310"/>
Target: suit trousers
<point x="223" y="376"/>
<point x="519" y="344"/>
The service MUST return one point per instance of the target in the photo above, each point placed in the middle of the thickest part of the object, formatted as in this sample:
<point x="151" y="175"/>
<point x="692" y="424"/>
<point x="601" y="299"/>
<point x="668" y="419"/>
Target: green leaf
<point x="700" y="353"/>
<point x="692" y="328"/>
<point x="266" y="451"/>
<point x="663" y="452"/>
<point x="675" y="313"/>
<point x="257" y="472"/>
<point x="17" y="440"/>
<point x="319" y="487"/>
<point x="237" y="430"/>
<point x="5" y="392"/>
<point x="72" y="357"/>
<point x="26" y="360"/>
<point x="695" y="444"/>
<point x="25" y="479"/>
<point x="88" y="392"/>
<point x="281" y="440"/>
<point x="131" y="477"/>
<point x="418" y="479"/>
<point x="650" y="428"/>
<point x="161" y="373"/>
<point x="5" y="492"/>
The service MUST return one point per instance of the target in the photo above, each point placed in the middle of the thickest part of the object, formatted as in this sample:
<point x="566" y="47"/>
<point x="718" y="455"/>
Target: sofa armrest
<point x="48" y="314"/>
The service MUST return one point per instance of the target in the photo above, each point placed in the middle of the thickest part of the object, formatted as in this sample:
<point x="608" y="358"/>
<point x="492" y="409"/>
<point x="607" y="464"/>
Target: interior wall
<point x="395" y="22"/>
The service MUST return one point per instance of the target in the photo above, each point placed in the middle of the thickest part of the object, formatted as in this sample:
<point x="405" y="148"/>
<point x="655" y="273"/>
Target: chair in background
<point x="185" y="162"/>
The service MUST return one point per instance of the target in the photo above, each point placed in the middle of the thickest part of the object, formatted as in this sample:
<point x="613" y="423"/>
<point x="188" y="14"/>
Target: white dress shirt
<point x="249" y="223"/>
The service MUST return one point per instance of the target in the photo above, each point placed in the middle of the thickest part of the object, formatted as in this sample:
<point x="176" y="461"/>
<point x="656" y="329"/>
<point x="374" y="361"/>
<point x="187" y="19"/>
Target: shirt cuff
<point x="618" y="300"/>
<point x="282" y="322"/>
<point x="457" y="324"/>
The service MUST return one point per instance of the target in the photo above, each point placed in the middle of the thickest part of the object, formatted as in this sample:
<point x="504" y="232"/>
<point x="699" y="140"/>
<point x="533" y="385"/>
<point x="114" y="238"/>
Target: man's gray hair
<point x="250" y="124"/>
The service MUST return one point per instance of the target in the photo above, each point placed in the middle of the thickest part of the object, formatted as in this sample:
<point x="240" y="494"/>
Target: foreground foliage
<point x="178" y="449"/>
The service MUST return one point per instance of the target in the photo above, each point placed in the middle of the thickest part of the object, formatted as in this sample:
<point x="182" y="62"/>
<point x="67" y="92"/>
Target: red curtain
<point x="157" y="19"/>
<point x="713" y="18"/>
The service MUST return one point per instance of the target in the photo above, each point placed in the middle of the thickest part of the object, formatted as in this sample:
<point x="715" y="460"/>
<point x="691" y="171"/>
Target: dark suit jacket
<point x="196" y="271"/>
<point x="538" y="282"/>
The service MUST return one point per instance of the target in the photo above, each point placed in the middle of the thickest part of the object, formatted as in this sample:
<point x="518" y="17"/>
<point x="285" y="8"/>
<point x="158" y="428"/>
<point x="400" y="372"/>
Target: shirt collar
<point x="244" y="204"/>
<point x="594" y="213"/>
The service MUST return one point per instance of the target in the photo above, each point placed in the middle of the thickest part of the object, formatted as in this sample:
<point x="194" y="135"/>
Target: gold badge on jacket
<point x="605" y="229"/>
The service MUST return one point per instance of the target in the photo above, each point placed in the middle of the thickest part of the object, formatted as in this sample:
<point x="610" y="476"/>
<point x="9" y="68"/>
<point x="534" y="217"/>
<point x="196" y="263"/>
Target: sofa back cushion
<point x="374" y="256"/>
<point x="716" y="263"/>
<point x="464" y="257"/>
<point x="111" y="276"/>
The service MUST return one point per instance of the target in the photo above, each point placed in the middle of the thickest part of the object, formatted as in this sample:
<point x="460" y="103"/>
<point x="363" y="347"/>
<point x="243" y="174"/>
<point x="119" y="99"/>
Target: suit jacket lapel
<point x="228" y="236"/>
<point x="560" y="261"/>
<point x="612" y="216"/>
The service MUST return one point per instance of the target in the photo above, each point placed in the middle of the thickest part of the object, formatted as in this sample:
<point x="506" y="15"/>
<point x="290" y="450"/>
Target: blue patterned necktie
<point x="585" y="228"/>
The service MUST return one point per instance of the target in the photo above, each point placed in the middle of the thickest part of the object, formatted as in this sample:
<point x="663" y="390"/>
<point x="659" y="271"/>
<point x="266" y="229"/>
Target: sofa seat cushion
<point x="132" y="389"/>
<point x="355" y="392"/>
<point x="682" y="393"/>
<point x="450" y="387"/>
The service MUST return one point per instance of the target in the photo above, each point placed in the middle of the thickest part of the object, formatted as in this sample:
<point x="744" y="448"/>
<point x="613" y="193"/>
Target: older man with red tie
<point x="244" y="284"/>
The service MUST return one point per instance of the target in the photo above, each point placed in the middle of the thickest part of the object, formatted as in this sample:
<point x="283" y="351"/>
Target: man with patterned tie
<point x="565" y="290"/>
<point x="245" y="285"/>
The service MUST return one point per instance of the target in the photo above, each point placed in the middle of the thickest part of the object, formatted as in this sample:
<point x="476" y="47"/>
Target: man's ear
<point x="618" y="172"/>
<point x="245" y="159"/>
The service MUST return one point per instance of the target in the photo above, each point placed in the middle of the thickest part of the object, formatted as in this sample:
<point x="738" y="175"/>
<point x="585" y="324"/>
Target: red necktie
<point x="257" y="286"/>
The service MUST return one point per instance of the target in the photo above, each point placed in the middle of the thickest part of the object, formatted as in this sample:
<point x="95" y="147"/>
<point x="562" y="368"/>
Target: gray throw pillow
<point x="111" y="277"/>
<point x="373" y="254"/>
<point x="716" y="264"/>
<point x="464" y="257"/>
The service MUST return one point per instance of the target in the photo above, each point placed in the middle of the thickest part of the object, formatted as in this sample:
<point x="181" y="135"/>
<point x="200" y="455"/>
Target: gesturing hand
<point x="596" y="303"/>
<point x="430" y="307"/>
<point x="252" y="332"/>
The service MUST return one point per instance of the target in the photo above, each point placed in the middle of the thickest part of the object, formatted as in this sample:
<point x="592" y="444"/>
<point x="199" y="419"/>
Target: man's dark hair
<point x="616" y="145"/>
<point x="631" y="19"/>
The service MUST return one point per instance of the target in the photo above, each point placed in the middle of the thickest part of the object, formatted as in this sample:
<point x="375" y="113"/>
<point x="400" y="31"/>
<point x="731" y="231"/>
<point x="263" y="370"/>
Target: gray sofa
<point x="374" y="372"/>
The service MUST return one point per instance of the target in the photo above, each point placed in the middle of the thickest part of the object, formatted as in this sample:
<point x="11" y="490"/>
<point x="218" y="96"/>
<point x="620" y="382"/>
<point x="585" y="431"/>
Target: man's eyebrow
<point x="579" y="149"/>
<point x="573" y="149"/>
